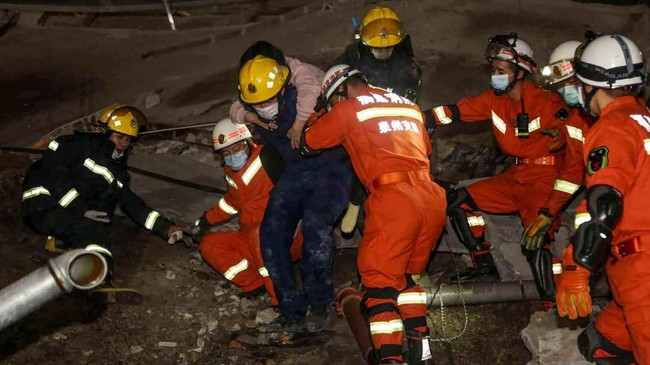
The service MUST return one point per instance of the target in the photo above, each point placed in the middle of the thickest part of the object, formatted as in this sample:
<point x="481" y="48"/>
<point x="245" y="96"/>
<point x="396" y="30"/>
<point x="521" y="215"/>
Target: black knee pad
<point x="541" y="264"/>
<point x="459" y="196"/>
<point x="458" y="217"/>
<point x="379" y="293"/>
<point x="591" y="340"/>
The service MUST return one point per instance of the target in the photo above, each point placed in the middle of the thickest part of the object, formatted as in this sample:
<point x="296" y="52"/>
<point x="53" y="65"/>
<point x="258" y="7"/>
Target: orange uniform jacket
<point x="541" y="107"/>
<point x="621" y="138"/>
<point x="247" y="195"/>
<point x="237" y="255"/>
<point x="617" y="153"/>
<point x="571" y="176"/>
<point x="375" y="151"/>
<point x="385" y="137"/>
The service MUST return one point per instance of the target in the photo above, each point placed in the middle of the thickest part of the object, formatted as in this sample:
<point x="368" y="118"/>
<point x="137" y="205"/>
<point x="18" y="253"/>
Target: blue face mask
<point x="237" y="160"/>
<point x="500" y="82"/>
<point x="571" y="94"/>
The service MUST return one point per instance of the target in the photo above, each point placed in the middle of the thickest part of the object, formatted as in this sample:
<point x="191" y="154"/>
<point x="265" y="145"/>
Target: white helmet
<point x="334" y="77"/>
<point x="226" y="133"/>
<point x="610" y="61"/>
<point x="512" y="49"/>
<point x="560" y="64"/>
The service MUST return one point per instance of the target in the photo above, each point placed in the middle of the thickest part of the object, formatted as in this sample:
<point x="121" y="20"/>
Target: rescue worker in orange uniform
<point x="560" y="73"/>
<point x="250" y="171"/>
<point x="613" y="227"/>
<point x="388" y="145"/>
<point x="525" y="126"/>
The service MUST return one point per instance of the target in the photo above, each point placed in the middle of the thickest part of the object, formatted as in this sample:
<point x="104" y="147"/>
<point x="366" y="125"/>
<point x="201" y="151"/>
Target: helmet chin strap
<point x="588" y="97"/>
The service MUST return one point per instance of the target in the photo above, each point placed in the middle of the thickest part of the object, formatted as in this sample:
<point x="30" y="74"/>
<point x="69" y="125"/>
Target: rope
<point x="444" y="337"/>
<point x="206" y="188"/>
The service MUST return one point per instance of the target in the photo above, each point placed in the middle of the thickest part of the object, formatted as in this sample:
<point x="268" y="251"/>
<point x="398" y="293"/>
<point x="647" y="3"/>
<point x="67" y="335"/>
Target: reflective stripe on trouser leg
<point x="476" y="224"/>
<point x="412" y="305"/>
<point x="385" y="324"/>
<point x="229" y="254"/>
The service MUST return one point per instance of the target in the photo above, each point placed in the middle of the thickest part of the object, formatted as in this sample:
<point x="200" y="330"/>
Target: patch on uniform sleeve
<point x="597" y="159"/>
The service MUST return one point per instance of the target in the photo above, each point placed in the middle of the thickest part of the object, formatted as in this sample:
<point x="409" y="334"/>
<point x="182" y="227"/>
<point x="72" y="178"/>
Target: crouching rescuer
<point x="613" y="228"/>
<point x="250" y="172"/>
<point x="71" y="193"/>
<point x="388" y="145"/>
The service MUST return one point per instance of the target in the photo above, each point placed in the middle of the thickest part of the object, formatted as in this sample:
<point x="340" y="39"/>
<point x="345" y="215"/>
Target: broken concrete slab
<point x="549" y="344"/>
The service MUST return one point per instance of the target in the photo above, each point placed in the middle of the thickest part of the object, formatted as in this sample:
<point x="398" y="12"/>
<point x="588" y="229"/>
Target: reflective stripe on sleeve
<point x="99" y="170"/>
<point x="412" y="298"/>
<point x="227" y="207"/>
<point x="236" y="269"/>
<point x="119" y="184"/>
<point x="387" y="327"/>
<point x="71" y="195"/>
<point x="39" y="190"/>
<point x="151" y="219"/>
<point x="646" y="145"/>
<point x="371" y="113"/>
<point x="440" y="114"/>
<point x="566" y="186"/>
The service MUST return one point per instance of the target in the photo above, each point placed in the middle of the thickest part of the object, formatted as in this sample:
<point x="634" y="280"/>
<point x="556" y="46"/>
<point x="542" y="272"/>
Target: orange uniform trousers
<point x="236" y="255"/>
<point x="523" y="189"/>
<point x="403" y="223"/>
<point x="626" y="320"/>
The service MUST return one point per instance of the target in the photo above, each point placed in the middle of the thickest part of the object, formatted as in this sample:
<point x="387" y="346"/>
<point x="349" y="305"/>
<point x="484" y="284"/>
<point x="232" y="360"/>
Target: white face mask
<point x="571" y="94"/>
<point x="382" y="53"/>
<point x="268" y="112"/>
<point x="236" y="161"/>
<point x="500" y="82"/>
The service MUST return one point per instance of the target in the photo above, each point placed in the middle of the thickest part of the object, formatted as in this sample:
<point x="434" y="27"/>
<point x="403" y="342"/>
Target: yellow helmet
<point x="123" y="119"/>
<point x="261" y="79"/>
<point x="381" y="28"/>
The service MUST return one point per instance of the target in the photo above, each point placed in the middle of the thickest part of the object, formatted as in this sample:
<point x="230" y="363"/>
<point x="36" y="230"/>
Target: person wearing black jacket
<point x="385" y="55"/>
<point x="71" y="193"/>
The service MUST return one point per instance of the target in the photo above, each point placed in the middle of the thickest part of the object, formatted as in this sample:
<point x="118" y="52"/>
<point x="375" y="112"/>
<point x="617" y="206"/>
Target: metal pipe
<point x="348" y="303"/>
<point x="76" y="269"/>
<point x="182" y="127"/>
<point x="492" y="292"/>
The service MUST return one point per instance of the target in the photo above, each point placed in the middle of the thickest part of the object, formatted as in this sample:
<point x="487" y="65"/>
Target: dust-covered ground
<point x="61" y="71"/>
<point x="192" y="315"/>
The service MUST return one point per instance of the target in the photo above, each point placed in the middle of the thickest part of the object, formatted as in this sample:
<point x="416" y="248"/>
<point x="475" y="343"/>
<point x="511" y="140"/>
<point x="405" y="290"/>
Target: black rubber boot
<point x="419" y="349"/>
<point x="484" y="269"/>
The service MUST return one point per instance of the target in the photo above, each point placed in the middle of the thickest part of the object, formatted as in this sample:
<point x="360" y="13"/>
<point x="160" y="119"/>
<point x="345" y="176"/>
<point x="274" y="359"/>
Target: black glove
<point x="200" y="228"/>
<point x="430" y="122"/>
